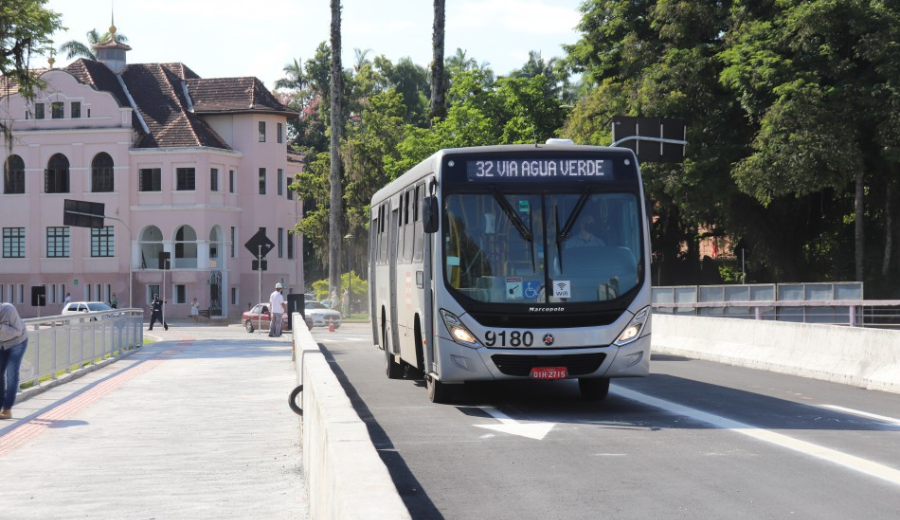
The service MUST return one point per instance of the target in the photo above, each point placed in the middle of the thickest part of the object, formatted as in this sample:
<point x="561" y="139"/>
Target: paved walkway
<point x="195" y="426"/>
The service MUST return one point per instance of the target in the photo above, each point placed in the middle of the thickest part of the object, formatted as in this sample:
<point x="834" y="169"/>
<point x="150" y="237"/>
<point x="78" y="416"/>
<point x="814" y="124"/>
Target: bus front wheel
<point x="438" y="392"/>
<point x="594" y="389"/>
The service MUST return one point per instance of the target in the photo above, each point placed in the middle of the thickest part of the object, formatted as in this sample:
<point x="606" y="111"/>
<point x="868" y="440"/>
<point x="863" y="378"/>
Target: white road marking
<point x="882" y="418"/>
<point x="532" y="430"/>
<point x="861" y="465"/>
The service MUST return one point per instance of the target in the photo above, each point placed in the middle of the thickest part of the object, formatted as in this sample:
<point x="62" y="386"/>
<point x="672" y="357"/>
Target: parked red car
<point x="258" y="318"/>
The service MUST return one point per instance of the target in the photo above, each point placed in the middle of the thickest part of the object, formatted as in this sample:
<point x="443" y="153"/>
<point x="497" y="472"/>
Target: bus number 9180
<point x="513" y="338"/>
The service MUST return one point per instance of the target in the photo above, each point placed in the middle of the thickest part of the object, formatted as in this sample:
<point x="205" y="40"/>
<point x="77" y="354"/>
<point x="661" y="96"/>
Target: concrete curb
<point x="344" y="473"/>
<point x="867" y="358"/>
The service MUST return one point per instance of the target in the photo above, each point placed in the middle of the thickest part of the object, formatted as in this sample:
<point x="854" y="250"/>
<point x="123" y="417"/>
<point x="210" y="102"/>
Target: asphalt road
<point x="694" y="440"/>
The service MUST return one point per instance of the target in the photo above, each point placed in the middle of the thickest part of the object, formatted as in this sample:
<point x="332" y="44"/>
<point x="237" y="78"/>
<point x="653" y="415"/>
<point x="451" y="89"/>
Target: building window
<point x="262" y="131"/>
<point x="280" y="182"/>
<point x="103" y="242"/>
<point x="290" y="245"/>
<point x="280" y="242"/>
<point x="76" y="109"/>
<point x="233" y="239"/>
<point x="56" y="177"/>
<point x="214" y="179"/>
<point x="262" y="181"/>
<point x="58" y="242"/>
<point x="14" y="175"/>
<point x="57" y="110"/>
<point x="39" y="111"/>
<point x="184" y="179"/>
<point x="280" y="128"/>
<point x="13" y="242"/>
<point x="290" y="192"/>
<point x="102" y="178"/>
<point x="234" y="295"/>
<point x="149" y="179"/>
<point x="231" y="181"/>
<point x="180" y="294"/>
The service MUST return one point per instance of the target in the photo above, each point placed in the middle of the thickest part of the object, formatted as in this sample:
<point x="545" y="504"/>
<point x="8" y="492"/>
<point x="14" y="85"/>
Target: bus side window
<point x="408" y="225"/>
<point x="418" y="231"/>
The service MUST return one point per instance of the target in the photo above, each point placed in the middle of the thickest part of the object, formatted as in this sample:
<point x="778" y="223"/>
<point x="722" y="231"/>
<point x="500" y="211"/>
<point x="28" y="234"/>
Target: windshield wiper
<point x="513" y="217"/>
<point x="563" y="235"/>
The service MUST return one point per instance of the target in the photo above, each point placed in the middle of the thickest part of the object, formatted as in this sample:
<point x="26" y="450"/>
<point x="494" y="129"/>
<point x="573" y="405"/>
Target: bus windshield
<point x="542" y="248"/>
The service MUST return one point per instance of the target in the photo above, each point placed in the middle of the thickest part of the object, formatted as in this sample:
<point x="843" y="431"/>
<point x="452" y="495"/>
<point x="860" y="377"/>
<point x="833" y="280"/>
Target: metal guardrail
<point x="855" y="313"/>
<point x="60" y="344"/>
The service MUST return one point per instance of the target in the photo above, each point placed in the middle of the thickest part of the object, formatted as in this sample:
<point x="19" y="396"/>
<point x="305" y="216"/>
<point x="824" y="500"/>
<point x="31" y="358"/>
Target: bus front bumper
<point x="458" y="363"/>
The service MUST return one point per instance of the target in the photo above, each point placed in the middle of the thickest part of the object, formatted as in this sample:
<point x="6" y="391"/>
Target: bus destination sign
<point x="500" y="170"/>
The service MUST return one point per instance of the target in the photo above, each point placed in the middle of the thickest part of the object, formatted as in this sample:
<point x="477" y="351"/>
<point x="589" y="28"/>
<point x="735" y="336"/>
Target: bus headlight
<point x="634" y="328"/>
<point x="458" y="331"/>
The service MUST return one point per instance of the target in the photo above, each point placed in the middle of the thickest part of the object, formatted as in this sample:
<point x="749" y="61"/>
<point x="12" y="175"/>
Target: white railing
<point x="57" y="345"/>
<point x="855" y="313"/>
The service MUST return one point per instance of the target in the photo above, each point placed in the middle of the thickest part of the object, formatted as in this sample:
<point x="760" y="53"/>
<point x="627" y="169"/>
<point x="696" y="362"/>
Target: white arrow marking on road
<point x="532" y="430"/>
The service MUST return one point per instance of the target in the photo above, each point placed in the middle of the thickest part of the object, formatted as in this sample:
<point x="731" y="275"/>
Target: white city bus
<point x="513" y="262"/>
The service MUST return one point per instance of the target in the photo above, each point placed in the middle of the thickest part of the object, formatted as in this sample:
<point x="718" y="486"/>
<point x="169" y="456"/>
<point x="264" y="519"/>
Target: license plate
<point x="549" y="373"/>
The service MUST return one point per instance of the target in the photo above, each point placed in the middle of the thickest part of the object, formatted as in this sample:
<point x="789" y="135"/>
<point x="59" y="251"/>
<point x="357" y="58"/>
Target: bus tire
<point x="392" y="369"/>
<point x="438" y="392"/>
<point x="594" y="389"/>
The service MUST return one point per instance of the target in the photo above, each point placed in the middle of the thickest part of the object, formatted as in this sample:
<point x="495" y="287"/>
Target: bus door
<point x="392" y="266"/>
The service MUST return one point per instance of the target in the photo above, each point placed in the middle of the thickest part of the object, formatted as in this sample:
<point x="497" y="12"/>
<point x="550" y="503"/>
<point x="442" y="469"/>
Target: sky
<point x="231" y="38"/>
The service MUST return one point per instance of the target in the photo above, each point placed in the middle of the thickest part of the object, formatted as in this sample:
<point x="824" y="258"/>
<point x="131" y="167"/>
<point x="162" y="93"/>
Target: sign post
<point x="80" y="213"/>
<point x="259" y="245"/>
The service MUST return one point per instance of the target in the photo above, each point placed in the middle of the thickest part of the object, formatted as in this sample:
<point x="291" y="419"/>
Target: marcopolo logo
<point x="546" y="309"/>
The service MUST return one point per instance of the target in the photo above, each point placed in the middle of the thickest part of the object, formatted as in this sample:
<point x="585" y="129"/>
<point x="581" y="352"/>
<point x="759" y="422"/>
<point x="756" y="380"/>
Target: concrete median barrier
<point x="867" y="358"/>
<point x="344" y="473"/>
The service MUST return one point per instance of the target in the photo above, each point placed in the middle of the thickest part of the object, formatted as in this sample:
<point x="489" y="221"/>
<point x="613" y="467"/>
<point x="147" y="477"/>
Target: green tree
<point x="25" y="30"/>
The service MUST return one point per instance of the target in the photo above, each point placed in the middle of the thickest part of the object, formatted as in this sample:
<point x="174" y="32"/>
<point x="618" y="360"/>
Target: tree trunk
<point x="889" y="221"/>
<point x="334" y="213"/>
<point x="438" y="94"/>
<point x="858" y="228"/>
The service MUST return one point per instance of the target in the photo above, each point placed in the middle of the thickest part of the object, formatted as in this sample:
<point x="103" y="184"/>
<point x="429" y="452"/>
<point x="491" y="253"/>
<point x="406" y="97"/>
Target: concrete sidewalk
<point x="194" y="426"/>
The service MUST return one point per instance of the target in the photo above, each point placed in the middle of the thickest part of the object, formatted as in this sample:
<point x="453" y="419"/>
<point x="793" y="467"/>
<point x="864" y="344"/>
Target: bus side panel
<point x="373" y="278"/>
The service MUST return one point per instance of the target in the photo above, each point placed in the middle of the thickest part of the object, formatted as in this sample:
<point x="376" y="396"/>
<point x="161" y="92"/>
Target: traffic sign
<point x="257" y="240"/>
<point x="265" y="265"/>
<point x="648" y="135"/>
<point x="81" y="213"/>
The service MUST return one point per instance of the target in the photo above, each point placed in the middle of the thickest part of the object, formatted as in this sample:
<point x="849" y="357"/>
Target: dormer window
<point x="39" y="111"/>
<point x="58" y="110"/>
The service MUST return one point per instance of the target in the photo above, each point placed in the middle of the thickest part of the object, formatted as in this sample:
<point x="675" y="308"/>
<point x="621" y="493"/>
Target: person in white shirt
<point x="277" y="307"/>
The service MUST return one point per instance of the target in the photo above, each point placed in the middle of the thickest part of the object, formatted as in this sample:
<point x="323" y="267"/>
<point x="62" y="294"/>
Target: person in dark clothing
<point x="156" y="312"/>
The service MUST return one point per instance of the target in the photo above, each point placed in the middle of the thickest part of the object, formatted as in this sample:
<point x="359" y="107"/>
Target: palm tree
<point x="361" y="58"/>
<point x="335" y="214"/>
<point x="438" y="85"/>
<point x="294" y="78"/>
<point x="76" y="49"/>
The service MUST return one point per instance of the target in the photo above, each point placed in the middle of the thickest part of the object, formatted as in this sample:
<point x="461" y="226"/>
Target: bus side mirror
<point x="430" y="214"/>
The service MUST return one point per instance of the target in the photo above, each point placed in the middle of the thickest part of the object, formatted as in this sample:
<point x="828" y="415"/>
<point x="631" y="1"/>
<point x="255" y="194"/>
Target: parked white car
<point x="319" y="315"/>
<point x="84" y="307"/>
<point x="73" y="308"/>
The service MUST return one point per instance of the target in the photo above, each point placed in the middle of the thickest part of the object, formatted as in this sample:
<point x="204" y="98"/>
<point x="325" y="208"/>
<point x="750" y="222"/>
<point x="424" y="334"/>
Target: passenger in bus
<point x="585" y="237"/>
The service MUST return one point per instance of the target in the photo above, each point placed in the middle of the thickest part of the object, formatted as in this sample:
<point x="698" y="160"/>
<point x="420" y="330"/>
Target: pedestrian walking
<point x="114" y="301"/>
<point x="13" y="342"/>
<point x="156" y="313"/>
<point x="277" y="306"/>
<point x="68" y="298"/>
<point x="195" y="310"/>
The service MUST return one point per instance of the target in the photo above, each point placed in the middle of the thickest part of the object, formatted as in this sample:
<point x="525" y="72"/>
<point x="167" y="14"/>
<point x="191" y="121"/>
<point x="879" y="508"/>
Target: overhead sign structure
<point x="653" y="139"/>
<point x="259" y="244"/>
<point x="81" y="213"/>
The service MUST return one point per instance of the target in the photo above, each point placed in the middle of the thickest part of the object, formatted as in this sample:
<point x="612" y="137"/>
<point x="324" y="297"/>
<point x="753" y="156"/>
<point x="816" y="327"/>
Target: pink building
<point x="188" y="166"/>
